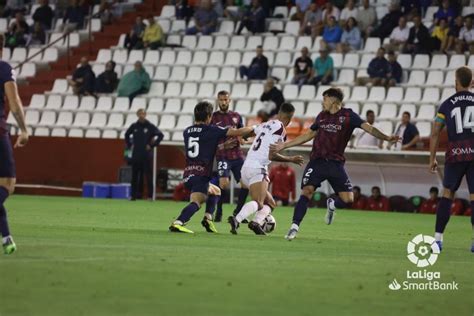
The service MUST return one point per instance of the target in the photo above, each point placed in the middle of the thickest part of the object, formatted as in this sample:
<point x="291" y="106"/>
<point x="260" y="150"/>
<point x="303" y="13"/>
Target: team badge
<point x="236" y="120"/>
<point x="342" y="119"/>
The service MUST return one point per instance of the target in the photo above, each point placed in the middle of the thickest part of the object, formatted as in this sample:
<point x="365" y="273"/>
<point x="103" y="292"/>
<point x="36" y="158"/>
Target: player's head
<point x="375" y="192"/>
<point x="406" y="116"/>
<point x="356" y="191"/>
<point x="286" y="113"/>
<point x="332" y="99"/>
<point x="223" y="100"/>
<point x="434" y="193"/>
<point x="463" y="78"/>
<point x="370" y="117"/>
<point x="203" y="112"/>
<point x="141" y="114"/>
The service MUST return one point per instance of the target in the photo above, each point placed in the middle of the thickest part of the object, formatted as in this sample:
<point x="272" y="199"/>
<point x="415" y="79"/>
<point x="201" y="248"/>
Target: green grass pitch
<point x="106" y="257"/>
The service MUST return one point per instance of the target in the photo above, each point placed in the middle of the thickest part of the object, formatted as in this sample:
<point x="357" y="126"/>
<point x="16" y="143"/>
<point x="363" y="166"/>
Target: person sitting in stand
<point x="429" y="206"/>
<point x="378" y="202"/>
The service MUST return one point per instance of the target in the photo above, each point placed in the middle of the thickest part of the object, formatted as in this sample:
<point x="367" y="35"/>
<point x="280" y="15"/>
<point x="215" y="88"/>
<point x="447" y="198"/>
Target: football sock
<point x="294" y="226"/>
<point x="224" y="194"/>
<point x="472" y="214"/>
<point x="4" y="229"/>
<point x="300" y="210"/>
<point x="262" y="214"/>
<point x="188" y="212"/>
<point x="211" y="204"/>
<point x="241" y="200"/>
<point x="339" y="203"/>
<point x="442" y="214"/>
<point x="247" y="210"/>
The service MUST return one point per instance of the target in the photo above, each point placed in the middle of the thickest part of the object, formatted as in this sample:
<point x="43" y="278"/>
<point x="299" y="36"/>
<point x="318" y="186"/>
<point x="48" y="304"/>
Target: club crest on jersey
<point x="236" y="120"/>
<point x="342" y="119"/>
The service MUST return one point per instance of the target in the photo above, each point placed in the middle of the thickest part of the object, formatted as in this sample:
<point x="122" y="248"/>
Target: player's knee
<point x="308" y="191"/>
<point x="260" y="204"/>
<point x="224" y="183"/>
<point x="447" y="193"/>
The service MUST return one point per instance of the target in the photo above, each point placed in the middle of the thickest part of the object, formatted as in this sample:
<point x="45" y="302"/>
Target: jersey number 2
<point x="467" y="122"/>
<point x="258" y="142"/>
<point x="193" y="147"/>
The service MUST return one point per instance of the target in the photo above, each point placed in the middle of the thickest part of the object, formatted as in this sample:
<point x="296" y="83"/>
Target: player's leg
<point x="244" y="192"/>
<point x="224" y="182"/>
<point x="212" y="200"/>
<point x="470" y="184"/>
<point x="340" y="182"/>
<point x="453" y="174"/>
<point x="267" y="209"/>
<point x="7" y="185"/>
<point x="207" y="222"/>
<point x="258" y="192"/>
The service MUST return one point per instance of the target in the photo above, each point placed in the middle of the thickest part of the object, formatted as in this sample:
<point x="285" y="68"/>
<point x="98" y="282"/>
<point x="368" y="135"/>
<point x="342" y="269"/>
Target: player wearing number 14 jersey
<point x="200" y="143"/>
<point x="457" y="114"/>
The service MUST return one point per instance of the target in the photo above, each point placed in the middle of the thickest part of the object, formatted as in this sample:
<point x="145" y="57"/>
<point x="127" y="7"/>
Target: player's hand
<point x="276" y="148"/>
<point x="231" y="143"/>
<point x="148" y="147"/>
<point x="433" y="166"/>
<point x="22" y="140"/>
<point x="394" y="139"/>
<point x="298" y="160"/>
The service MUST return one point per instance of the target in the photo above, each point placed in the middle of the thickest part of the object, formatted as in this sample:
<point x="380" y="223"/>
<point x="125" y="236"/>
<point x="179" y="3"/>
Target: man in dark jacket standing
<point x="419" y="40"/>
<point x="140" y="138"/>
<point x="44" y="14"/>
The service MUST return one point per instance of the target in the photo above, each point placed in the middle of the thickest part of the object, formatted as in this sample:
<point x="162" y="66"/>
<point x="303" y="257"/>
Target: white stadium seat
<point x="92" y="133"/>
<point x="424" y="128"/>
<point x="351" y="61"/>
<point x="200" y="58"/>
<point x="417" y="77"/>
<point x="307" y="92"/>
<point x="372" y="44"/>
<point x="172" y="106"/>
<point x="287" y="43"/>
<point x="359" y="94"/>
<point x="372" y="107"/>
<point x="394" y="94"/>
<point x="290" y="91"/>
<point x="189" y="89"/>
<point x="87" y="103"/>
<point x="155" y="105"/>
<point x="152" y="57"/>
<point x="115" y="121"/>
<point x="48" y="118"/>
<point x="456" y="61"/>
<point x="377" y="94"/>
<point x="421" y="61"/>
<point x="138" y="103"/>
<point x="426" y="112"/>
<point x="71" y="102"/>
<point x="354" y="106"/>
<point x="439" y="62"/>
<point x="412" y="94"/>
<point x="211" y="74"/>
<point x="435" y="78"/>
<point x="55" y="102"/>
<point x="98" y="120"/>
<point x="221" y="42"/>
<point x="167" y="122"/>
<point x="410" y="108"/>
<point x="388" y="111"/>
<point x="104" y="104"/>
<point x="37" y="101"/>
<point x="430" y="95"/>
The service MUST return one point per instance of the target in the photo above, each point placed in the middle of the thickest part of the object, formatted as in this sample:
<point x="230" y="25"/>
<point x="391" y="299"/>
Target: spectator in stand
<point x="466" y="37"/>
<point x="152" y="36"/>
<point x="185" y="9"/>
<point x="205" y="19"/>
<point x="107" y="81"/>
<point x="399" y="35"/>
<point x="312" y="22"/>
<point x="19" y="22"/>
<point x="388" y="22"/>
<point x="362" y="139"/>
<point x="410" y="8"/>
<point x="360" y="201"/>
<point x="44" y="15"/>
<point x="378" y="70"/>
<point x="37" y="36"/>
<point x="350" y="38"/>
<point x="16" y="37"/>
<point x="273" y="98"/>
<point x="366" y="18"/>
<point x="83" y="79"/>
<point x="73" y="18"/>
<point x="419" y="39"/>
<point x="439" y="36"/>
<point x="378" y="202"/>
<point x="330" y="11"/>
<point x="12" y="7"/>
<point x="253" y="19"/>
<point x="301" y="7"/>
<point x="258" y="69"/>
<point x="445" y="12"/>
<point x="283" y="182"/>
<point x="453" y="33"/>
<point x="136" y="33"/>
<point x="350" y="11"/>
<point x="331" y="35"/>
<point x="105" y="12"/>
<point x="395" y="74"/>
<point x="302" y="68"/>
<point x="323" y="68"/>
<point x="429" y="206"/>
<point x="134" y="83"/>
<point x="408" y="132"/>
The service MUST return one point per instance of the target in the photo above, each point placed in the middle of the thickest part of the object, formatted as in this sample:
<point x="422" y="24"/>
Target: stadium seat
<point x="211" y="74"/>
<point x="173" y="40"/>
<point x="457" y="61"/>
<point x="426" y="112"/>
<point x="121" y="41"/>
<point x="354" y="106"/>
<point x="257" y="106"/>
<point x="104" y="104"/>
<point x="205" y="42"/>
<point x="189" y="89"/>
<point x="48" y="118"/>
<point x="359" y="94"/>
<point x="227" y="74"/>
<point x="109" y="134"/>
<point x="35" y="51"/>
<point x="31" y="117"/>
<point x="167" y="122"/>
<point x="468" y="10"/>
<point x="405" y="60"/>
<point x="255" y="91"/>
<point x="417" y="78"/>
<point x="470" y="62"/>
<point x="98" y="69"/>
<point x="135" y="55"/>
<point x="37" y="101"/>
<point x="270" y="43"/>
<point x="54" y="102"/>
<point x="58" y="132"/>
<point x="173" y="89"/>
<point x="41" y="131"/>
<point x="299" y="108"/>
<point x="152" y="57"/>
<point x="337" y="59"/>
<point x="247" y="58"/>
<point x="162" y="73"/>
<point x="313" y="109"/>
<point x="319" y="94"/>
<point x="447" y="93"/>
<point x="188" y="106"/>
<point x="153" y="118"/>
<point x="239" y="90"/>
<point x="435" y="78"/>
<point x="60" y="86"/>
<point x="283" y="59"/>
<point x="346" y="76"/>
<point x="189" y="41"/>
<point x="281" y="10"/>
<point x="87" y="103"/>
<point x="279" y="73"/>
<point x="243" y="107"/>
<point x="430" y="11"/>
<point x="292" y="27"/>
<point x="168" y="57"/>
<point x="381" y="11"/>
<point x="194" y="73"/>
<point x="410" y="108"/>
<point x="346" y="91"/>
<point x="394" y="94"/>
<point x="121" y="104"/>
<point x="172" y="106"/>
<point x="388" y="111"/>
<point x="421" y="61"/>
<point x="183" y="58"/>
<point x="138" y="103"/>
<point x="200" y="58"/>
<point x="290" y="92"/>
<point x="253" y="41"/>
<point x="178" y="73"/>
<point x="439" y="62"/>
<point x="75" y="132"/>
<point x="177" y="137"/>
<point x="386" y="127"/>
<point x="372" y="44"/>
<point x="370" y="106"/>
<point x="304" y="41"/>
<point x="430" y="95"/>
<point x="351" y="61"/>
<point x="307" y="92"/>
<point x="377" y="94"/>
<point x="424" y="128"/>
<point x="412" y="94"/>
<point x="232" y="59"/>
<point x="120" y="56"/>
<point x="366" y="59"/>
<point x="98" y="120"/>
<point x="287" y="43"/>
<point x="115" y="121"/>
<point x="221" y="42"/>
<point x="155" y="105"/>
<point x="216" y="58"/>
<point x="237" y="42"/>
<point x="206" y="90"/>
<point x="276" y="26"/>
<point x="227" y="27"/>
<point x="92" y="133"/>
<point x="221" y="86"/>
<point x="71" y="102"/>
<point x="450" y="78"/>
<point x="130" y="119"/>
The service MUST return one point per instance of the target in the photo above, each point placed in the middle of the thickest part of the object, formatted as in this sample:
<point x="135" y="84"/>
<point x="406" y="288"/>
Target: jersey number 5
<point x="193" y="147"/>
<point x="258" y="142"/>
<point x="467" y="122"/>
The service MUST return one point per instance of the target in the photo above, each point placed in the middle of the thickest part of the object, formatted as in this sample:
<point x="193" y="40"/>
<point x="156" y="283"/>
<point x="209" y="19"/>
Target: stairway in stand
<point x="109" y="36"/>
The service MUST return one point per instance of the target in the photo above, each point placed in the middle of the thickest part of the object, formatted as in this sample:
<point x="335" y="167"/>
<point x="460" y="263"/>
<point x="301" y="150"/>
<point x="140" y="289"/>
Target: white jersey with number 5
<point x="266" y="134"/>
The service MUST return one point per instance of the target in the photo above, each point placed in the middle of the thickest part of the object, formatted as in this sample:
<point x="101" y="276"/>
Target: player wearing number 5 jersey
<point x="331" y="131"/>
<point x="200" y="143"/>
<point x="457" y="114"/>
<point x="255" y="170"/>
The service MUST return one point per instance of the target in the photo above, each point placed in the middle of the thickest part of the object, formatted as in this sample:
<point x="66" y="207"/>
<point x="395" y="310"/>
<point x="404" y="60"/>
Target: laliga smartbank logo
<point x="423" y="251"/>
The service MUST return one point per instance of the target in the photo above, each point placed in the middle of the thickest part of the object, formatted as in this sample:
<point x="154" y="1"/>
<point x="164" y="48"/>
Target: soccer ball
<point x="269" y="224"/>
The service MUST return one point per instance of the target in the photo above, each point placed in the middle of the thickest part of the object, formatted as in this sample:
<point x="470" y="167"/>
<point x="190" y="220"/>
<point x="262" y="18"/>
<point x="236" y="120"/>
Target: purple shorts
<point x="197" y="184"/>
<point x="7" y="162"/>
<point x="455" y="171"/>
<point x="224" y="167"/>
<point x="319" y="170"/>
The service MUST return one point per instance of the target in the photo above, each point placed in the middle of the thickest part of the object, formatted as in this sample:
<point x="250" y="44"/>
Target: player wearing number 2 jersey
<point x="255" y="170"/>
<point x="457" y="114"/>
<point x="200" y="144"/>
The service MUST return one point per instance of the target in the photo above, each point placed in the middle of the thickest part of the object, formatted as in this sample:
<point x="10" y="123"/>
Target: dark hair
<point x="259" y="47"/>
<point x="287" y="108"/>
<point x="347" y="23"/>
<point x="369" y="112"/>
<point x="375" y="188"/>
<point x="356" y="188"/>
<point x="202" y="111"/>
<point x="407" y="113"/>
<point x="382" y="48"/>
<point x="464" y="76"/>
<point x="391" y="52"/>
<point x="334" y="93"/>
<point x="222" y="92"/>
<point x="434" y="190"/>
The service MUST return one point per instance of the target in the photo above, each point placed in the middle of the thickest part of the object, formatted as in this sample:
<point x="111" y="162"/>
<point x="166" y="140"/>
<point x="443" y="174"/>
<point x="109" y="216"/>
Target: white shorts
<point x="253" y="175"/>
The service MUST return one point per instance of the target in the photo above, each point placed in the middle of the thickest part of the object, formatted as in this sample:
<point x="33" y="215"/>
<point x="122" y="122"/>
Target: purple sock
<point x="224" y="194"/>
<point x="188" y="212"/>
<point x="300" y="210"/>
<point x="241" y="201"/>
<point x="472" y="213"/>
<point x="339" y="203"/>
<point x="211" y="203"/>
<point x="442" y="214"/>
<point x="4" y="229"/>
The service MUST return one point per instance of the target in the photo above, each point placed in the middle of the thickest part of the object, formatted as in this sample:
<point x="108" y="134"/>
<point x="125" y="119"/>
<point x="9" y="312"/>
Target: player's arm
<point x="304" y="138"/>
<point x="16" y="108"/>
<point x="412" y="142"/>
<point x="434" y="142"/>
<point x="298" y="160"/>
<point x="244" y="131"/>
<point x="374" y="131"/>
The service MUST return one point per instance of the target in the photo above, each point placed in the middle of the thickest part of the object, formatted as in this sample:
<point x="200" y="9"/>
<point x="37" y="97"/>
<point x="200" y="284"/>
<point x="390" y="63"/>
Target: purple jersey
<point x="200" y="143"/>
<point x="6" y="74"/>
<point x="457" y="113"/>
<point x="334" y="131"/>
<point x="228" y="119"/>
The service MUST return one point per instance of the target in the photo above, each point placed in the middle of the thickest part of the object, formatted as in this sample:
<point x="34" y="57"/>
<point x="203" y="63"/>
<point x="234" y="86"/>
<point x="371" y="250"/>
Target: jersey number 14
<point x="467" y="122"/>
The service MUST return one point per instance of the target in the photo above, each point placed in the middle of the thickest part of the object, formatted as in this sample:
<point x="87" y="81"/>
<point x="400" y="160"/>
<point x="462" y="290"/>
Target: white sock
<point x="248" y="209"/>
<point x="294" y="226"/>
<point x="439" y="236"/>
<point x="262" y="214"/>
<point x="5" y="239"/>
<point x="208" y="216"/>
<point x="176" y="222"/>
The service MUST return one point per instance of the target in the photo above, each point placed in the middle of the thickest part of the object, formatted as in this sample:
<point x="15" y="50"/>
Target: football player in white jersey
<point x="255" y="169"/>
